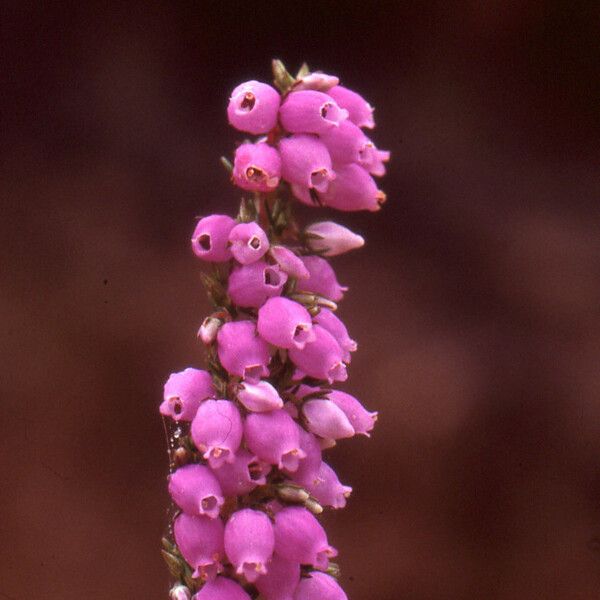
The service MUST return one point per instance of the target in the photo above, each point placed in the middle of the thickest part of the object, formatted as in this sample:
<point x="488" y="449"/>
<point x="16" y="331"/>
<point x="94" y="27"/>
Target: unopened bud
<point x="313" y="506"/>
<point x="334" y="570"/>
<point x="314" y="300"/>
<point x="180" y="592"/>
<point x="181" y="457"/>
<point x="292" y="493"/>
<point x="332" y="239"/>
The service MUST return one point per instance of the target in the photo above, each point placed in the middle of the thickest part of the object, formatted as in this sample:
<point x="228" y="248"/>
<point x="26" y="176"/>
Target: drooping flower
<point x="360" y="112"/>
<point x="183" y="393"/>
<point x="309" y="111"/>
<point x="281" y="580"/>
<point x="328" y="320"/>
<point x="217" y="431"/>
<point x="211" y="238"/>
<point x="251" y="285"/>
<point x="196" y="490"/>
<point x="309" y="466"/>
<point x="325" y="486"/>
<point x="353" y="189"/>
<point x="285" y="323"/>
<point x="249" y="542"/>
<point x="319" y="586"/>
<point x="243" y="474"/>
<point x="253" y="107"/>
<point x="332" y="239"/>
<point x="326" y="419"/>
<point x="222" y="588"/>
<point x="257" y="167"/>
<point x="322" y="279"/>
<point x="242" y="352"/>
<point x="289" y="262"/>
<point x="248" y="242"/>
<point x="362" y="420"/>
<point x="259" y="397"/>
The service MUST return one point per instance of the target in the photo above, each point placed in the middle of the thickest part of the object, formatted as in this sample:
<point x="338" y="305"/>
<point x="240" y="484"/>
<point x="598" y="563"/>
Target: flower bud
<point x="319" y="586"/>
<point x="209" y="329"/>
<point x="326" y="420"/>
<point x="300" y="538"/>
<point x="274" y="438"/>
<point x="337" y="329"/>
<point x="288" y="262"/>
<point x="322" y="279"/>
<point x="249" y="542"/>
<point x="217" y="431"/>
<point x="326" y="488"/>
<point x="332" y="239"/>
<point x="360" y="112"/>
<point x="257" y="167"/>
<point x="362" y="420"/>
<point x="305" y="161"/>
<point x="242" y="475"/>
<point x="309" y="111"/>
<point x="248" y="242"/>
<point x="242" y="352"/>
<point x="316" y="81"/>
<point x="253" y="107"/>
<point x="180" y="592"/>
<point x="200" y="541"/>
<point x="281" y="580"/>
<point x="196" y="491"/>
<point x="222" y="588"/>
<point x="259" y="397"/>
<point x="322" y="358"/>
<point x="251" y="285"/>
<point x="353" y="189"/>
<point x="211" y="237"/>
<point x="183" y="393"/>
<point x="285" y="323"/>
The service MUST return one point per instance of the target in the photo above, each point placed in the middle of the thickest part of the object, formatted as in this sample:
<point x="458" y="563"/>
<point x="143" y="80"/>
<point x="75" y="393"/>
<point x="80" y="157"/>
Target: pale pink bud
<point x="319" y="586"/>
<point x="196" y="491"/>
<point x="321" y="280"/>
<point x="288" y="262"/>
<point x="200" y="541"/>
<point x="248" y="242"/>
<point x="253" y="107"/>
<point x="332" y="239"/>
<point x="249" y="542"/>
<point x="211" y="238"/>
<point x="316" y="81"/>
<point x="274" y="438"/>
<point x="251" y="285"/>
<point x="337" y="329"/>
<point x="242" y="352"/>
<point x="299" y="537"/>
<point x="180" y="592"/>
<point x="281" y="580"/>
<point x="305" y="161"/>
<point x="353" y="189"/>
<point x="209" y="329"/>
<point x="360" y="112"/>
<point x="217" y="431"/>
<point x="285" y="323"/>
<point x="327" y="420"/>
<point x="362" y="420"/>
<point x="222" y="588"/>
<point x="257" y="167"/>
<point x="183" y="393"/>
<point x="322" y="358"/>
<point x="310" y="112"/>
<point x="242" y="475"/>
<point x="259" y="397"/>
<point x="325" y="487"/>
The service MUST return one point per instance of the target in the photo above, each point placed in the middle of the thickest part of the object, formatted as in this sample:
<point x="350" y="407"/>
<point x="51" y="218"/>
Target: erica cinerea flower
<point x="248" y="434"/>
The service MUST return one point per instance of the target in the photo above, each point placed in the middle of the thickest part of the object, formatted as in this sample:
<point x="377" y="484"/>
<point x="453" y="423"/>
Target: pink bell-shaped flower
<point x="289" y="262"/>
<point x="322" y="358"/>
<point x="249" y="542"/>
<point x="222" y="588"/>
<point x="362" y="420"/>
<point x="217" y="431"/>
<point x="360" y="112"/>
<point x="281" y="580"/>
<point x="326" y="420"/>
<point x="248" y="242"/>
<point x="322" y="279"/>
<point x="211" y="238"/>
<point x="183" y="393"/>
<point x="274" y="438"/>
<point x="309" y="111"/>
<point x="285" y="323"/>
<point x="251" y="285"/>
<point x="242" y="352"/>
<point x="200" y="541"/>
<point x="328" y="320"/>
<point x="319" y="586"/>
<point x="259" y="397"/>
<point x="257" y="167"/>
<point x="305" y="161"/>
<point x="352" y="189"/>
<point x="253" y="107"/>
<point x="309" y="466"/>
<point x="299" y="537"/>
<point x="243" y="474"/>
<point x="325" y="487"/>
<point x="196" y="491"/>
<point x="332" y="239"/>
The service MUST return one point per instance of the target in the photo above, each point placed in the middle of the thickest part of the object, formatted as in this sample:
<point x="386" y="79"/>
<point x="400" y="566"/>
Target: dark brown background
<point x="476" y="301"/>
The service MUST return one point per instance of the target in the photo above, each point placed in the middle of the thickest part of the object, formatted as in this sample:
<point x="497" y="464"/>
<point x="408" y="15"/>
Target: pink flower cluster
<point x="312" y="138"/>
<point x="249" y="487"/>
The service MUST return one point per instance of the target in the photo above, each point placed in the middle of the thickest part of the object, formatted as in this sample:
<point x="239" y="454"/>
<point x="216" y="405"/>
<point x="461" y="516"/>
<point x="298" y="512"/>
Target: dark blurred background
<point x="476" y="302"/>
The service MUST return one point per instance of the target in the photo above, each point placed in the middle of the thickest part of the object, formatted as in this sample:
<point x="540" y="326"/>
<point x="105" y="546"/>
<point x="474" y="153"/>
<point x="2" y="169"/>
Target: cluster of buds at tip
<point x="247" y="435"/>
